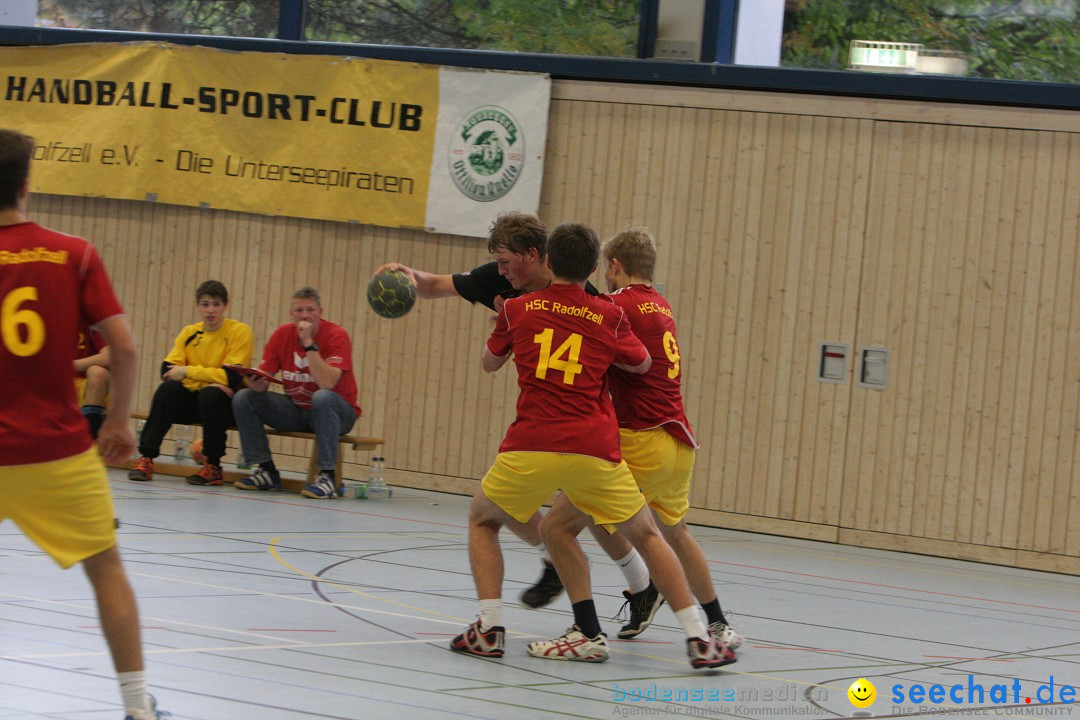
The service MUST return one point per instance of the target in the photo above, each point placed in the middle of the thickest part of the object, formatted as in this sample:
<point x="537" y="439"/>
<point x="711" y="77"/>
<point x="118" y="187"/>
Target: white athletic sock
<point x="490" y="614"/>
<point x="690" y="618"/>
<point x="634" y="570"/>
<point x="133" y="690"/>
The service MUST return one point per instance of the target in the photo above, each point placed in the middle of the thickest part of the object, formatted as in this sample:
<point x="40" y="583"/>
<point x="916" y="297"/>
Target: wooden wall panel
<point x="945" y="233"/>
<point x="720" y="190"/>
<point x="969" y="276"/>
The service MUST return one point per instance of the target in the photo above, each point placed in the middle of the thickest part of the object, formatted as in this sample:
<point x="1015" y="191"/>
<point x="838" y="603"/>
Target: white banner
<point x="489" y="148"/>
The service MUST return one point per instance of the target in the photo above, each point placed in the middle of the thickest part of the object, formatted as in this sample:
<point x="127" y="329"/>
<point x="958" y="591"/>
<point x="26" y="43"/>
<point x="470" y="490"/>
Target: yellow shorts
<point x="662" y="467"/>
<point x="80" y="390"/>
<point x="519" y="482"/>
<point x="64" y="506"/>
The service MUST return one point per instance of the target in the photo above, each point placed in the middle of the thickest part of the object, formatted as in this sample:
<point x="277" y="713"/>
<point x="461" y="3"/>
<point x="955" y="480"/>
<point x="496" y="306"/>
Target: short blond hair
<point x="635" y="249"/>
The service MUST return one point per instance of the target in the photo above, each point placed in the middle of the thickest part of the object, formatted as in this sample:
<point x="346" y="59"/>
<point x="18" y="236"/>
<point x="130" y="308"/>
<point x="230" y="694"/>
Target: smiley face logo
<point x="862" y="693"/>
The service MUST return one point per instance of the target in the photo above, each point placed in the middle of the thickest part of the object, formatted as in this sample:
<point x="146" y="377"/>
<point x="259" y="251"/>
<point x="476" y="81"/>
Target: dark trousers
<point x="174" y="403"/>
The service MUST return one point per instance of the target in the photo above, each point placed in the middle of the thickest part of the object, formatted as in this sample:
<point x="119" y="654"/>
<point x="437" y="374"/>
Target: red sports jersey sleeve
<point x="50" y="284"/>
<point x="654" y="399"/>
<point x="564" y="341"/>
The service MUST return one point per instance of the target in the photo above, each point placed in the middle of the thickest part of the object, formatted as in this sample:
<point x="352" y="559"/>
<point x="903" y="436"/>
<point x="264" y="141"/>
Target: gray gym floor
<point x="271" y="606"/>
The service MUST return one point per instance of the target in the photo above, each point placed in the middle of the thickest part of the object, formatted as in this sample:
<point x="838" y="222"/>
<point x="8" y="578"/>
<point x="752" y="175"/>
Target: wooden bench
<point x="357" y="442"/>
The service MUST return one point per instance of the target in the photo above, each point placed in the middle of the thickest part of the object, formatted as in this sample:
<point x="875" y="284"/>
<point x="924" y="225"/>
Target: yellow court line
<point x="277" y="556"/>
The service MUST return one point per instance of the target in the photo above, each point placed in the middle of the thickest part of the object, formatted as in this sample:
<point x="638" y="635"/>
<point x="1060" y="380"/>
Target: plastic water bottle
<point x="139" y="425"/>
<point x="182" y="450"/>
<point x="241" y="461"/>
<point x="376" y="487"/>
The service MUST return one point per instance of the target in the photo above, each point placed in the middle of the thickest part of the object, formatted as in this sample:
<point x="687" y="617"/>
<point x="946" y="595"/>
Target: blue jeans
<point x="329" y="417"/>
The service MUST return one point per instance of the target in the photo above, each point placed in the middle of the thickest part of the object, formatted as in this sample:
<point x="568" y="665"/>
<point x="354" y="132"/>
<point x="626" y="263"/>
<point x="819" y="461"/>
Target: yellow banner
<point x="307" y="136"/>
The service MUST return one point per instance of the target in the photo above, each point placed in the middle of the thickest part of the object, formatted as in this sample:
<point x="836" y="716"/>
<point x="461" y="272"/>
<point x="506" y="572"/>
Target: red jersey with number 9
<point x="50" y="285"/>
<point x="652" y="400"/>
<point x="564" y="340"/>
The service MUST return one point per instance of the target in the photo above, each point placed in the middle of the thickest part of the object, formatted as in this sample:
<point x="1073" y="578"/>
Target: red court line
<point x="712" y="562"/>
<point x="310" y="506"/>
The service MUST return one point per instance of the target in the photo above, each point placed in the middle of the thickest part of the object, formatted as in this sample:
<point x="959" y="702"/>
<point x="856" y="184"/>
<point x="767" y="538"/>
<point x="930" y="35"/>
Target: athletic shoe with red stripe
<point x="708" y="652"/>
<point x="486" y="643"/>
<point x="573" y="645"/>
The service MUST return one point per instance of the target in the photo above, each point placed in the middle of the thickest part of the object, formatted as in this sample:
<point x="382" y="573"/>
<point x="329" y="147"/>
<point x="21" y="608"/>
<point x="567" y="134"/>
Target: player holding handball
<point x="565" y="436"/>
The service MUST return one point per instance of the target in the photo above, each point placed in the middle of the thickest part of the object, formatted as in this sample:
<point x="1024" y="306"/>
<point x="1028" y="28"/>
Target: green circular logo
<point x="487" y="153"/>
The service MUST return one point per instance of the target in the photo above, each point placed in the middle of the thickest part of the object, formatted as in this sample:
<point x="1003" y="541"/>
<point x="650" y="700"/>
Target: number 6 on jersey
<point x="11" y="319"/>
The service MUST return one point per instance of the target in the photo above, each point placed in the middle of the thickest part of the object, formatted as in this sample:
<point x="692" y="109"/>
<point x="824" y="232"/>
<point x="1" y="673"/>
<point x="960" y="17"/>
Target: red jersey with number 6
<point x="50" y="284"/>
<point x="564" y="340"/>
<point x="652" y="400"/>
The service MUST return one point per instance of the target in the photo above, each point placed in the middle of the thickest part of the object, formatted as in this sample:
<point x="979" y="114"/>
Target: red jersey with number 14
<point x="652" y="400"/>
<point x="564" y="340"/>
<point x="50" y="284"/>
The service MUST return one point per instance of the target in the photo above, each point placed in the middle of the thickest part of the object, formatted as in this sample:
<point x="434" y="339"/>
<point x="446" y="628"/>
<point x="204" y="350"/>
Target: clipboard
<point x="253" y="373"/>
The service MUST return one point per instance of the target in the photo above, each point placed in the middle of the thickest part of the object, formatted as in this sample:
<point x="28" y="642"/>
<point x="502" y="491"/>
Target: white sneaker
<point x="571" y="646"/>
<point x="155" y="714"/>
<point x="726" y="634"/>
<point x="324" y="487"/>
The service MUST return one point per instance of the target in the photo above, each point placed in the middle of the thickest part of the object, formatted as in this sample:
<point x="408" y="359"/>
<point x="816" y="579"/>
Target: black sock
<point x="329" y="472"/>
<point x="95" y="415"/>
<point x="94" y="421"/>
<point x="585" y="618"/>
<point x="268" y="466"/>
<point x="713" y="612"/>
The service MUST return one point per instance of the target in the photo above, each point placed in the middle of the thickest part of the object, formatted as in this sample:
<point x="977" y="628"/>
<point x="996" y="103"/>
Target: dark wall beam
<point x="913" y="88"/>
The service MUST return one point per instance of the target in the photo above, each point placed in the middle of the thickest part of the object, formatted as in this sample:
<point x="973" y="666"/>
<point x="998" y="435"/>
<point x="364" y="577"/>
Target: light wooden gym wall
<point x="945" y="233"/>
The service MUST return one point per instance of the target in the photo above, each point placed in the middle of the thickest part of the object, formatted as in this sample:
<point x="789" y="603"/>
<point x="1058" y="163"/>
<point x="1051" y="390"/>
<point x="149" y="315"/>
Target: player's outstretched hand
<point x="115" y="441"/>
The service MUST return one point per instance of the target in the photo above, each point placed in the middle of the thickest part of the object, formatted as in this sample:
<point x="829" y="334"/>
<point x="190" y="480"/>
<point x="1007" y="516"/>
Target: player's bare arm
<point x="428" y="285"/>
<point x="115" y="438"/>
<point x="491" y="362"/>
<point x="101" y="359"/>
<point x="637" y="369"/>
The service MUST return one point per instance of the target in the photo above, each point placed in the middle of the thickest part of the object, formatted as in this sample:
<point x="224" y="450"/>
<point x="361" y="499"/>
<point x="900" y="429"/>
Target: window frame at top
<point x="609" y="69"/>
